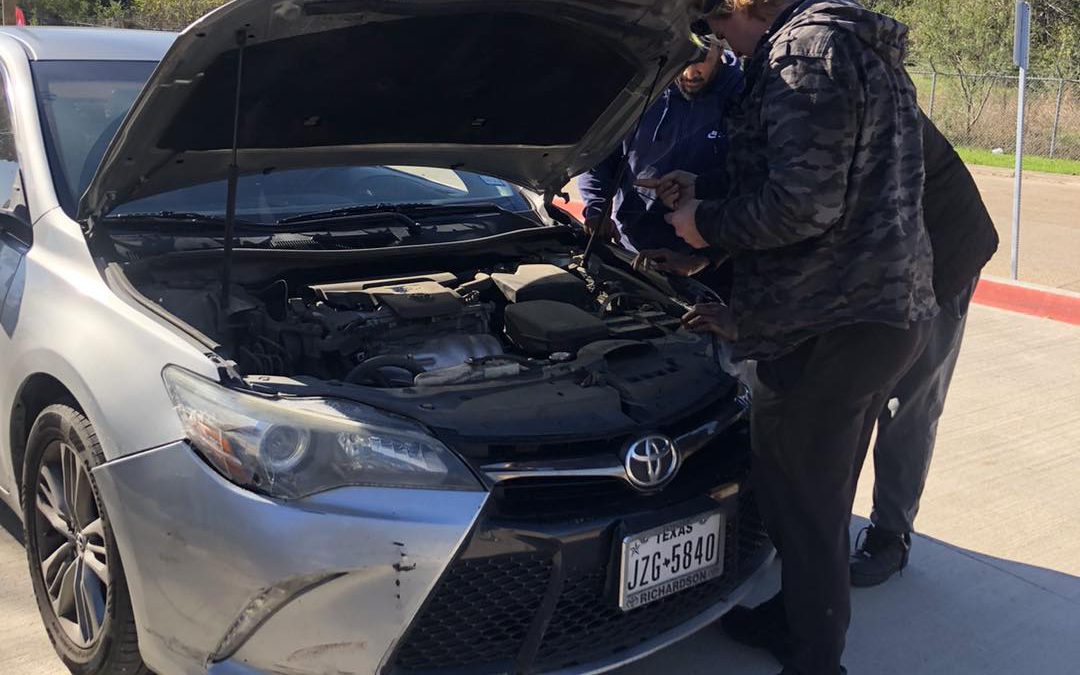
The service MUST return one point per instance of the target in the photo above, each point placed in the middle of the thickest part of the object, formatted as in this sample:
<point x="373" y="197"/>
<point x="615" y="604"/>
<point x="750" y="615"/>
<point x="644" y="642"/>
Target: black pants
<point x="813" y="414"/>
<point x="907" y="433"/>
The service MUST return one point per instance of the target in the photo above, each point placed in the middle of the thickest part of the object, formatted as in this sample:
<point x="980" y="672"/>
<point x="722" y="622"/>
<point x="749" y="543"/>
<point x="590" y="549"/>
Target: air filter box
<point x="544" y="327"/>
<point x="542" y="282"/>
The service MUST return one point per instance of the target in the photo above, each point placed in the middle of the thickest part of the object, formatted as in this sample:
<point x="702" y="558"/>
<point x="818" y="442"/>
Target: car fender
<point x="65" y="322"/>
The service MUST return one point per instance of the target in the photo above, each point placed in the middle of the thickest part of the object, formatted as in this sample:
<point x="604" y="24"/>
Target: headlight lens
<point x="294" y="448"/>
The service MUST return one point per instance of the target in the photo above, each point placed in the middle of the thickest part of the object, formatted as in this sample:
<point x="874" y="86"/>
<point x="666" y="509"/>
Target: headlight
<point x="293" y="448"/>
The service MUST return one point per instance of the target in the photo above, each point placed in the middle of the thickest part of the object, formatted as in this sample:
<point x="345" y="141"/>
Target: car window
<point x="12" y="198"/>
<point x="82" y="104"/>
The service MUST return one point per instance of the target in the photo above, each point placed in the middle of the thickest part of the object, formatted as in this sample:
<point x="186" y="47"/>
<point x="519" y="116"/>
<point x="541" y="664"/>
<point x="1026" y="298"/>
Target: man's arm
<point x="598" y="185"/>
<point x="811" y="104"/>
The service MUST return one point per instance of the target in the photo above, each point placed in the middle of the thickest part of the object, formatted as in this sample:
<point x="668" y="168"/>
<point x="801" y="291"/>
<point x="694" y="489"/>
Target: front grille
<point x="480" y="618"/>
<point x="588" y="624"/>
<point x="481" y="613"/>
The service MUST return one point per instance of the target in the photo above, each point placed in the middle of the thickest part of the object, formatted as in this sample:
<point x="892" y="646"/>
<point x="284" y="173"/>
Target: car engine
<point x="424" y="330"/>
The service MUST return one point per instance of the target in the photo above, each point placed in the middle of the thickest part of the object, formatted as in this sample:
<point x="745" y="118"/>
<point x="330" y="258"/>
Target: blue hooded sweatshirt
<point x="676" y="133"/>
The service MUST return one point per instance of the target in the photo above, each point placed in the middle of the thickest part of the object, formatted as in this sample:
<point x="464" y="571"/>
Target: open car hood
<point x="532" y="91"/>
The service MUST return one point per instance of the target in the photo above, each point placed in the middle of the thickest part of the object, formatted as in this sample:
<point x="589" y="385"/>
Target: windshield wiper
<point x="193" y="218"/>
<point x="399" y="211"/>
<point x="181" y="223"/>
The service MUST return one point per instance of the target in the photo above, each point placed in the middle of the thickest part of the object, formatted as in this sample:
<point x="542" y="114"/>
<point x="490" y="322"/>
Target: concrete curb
<point x="1048" y="303"/>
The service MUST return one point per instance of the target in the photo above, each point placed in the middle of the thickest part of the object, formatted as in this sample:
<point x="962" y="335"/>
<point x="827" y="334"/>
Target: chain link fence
<point x="979" y="111"/>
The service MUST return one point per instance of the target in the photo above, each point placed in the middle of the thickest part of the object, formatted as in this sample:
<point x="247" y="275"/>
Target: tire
<point x="74" y="562"/>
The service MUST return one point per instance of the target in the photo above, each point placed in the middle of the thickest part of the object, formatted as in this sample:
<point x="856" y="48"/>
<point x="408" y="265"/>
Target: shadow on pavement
<point x="953" y="612"/>
<point x="10" y="523"/>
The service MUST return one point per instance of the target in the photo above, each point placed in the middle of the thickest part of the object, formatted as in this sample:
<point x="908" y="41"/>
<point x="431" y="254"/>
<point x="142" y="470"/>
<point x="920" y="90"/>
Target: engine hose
<point x="369" y="369"/>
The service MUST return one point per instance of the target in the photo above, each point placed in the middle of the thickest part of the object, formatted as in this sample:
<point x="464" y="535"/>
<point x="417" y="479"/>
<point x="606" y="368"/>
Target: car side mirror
<point x="15" y="225"/>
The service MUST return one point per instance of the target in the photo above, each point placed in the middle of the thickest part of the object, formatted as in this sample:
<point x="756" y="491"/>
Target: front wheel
<point x="74" y="563"/>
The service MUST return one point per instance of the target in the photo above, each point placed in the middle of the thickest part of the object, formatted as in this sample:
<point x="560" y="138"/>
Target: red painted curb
<point x="1042" y="302"/>
<point x="1047" y="303"/>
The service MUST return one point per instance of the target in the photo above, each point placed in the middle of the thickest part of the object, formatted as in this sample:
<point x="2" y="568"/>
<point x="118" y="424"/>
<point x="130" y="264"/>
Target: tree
<point x="171" y="14"/>
<point x="1056" y="37"/>
<point x="968" y="38"/>
<point x="50" y="12"/>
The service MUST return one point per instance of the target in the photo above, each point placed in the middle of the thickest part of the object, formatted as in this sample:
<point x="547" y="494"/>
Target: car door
<point x="16" y="237"/>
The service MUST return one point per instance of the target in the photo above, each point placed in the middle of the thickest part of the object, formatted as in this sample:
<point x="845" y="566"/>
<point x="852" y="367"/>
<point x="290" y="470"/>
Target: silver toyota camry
<point x="303" y="370"/>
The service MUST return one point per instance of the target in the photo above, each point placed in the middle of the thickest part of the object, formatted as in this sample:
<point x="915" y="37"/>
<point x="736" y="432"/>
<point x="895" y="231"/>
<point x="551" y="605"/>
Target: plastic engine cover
<point x="543" y="327"/>
<point x="542" y="282"/>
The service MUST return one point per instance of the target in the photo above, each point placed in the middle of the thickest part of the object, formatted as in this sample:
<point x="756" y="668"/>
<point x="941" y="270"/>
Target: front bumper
<point x="404" y="581"/>
<point x="530" y="593"/>
<point x="199" y="553"/>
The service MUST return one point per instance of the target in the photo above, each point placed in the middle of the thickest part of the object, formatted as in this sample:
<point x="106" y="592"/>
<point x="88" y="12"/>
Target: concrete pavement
<point x="994" y="582"/>
<point x="24" y="647"/>
<point x="1049" y="225"/>
<point x="954" y="612"/>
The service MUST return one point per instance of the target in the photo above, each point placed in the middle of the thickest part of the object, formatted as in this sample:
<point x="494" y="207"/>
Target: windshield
<point x="83" y="103"/>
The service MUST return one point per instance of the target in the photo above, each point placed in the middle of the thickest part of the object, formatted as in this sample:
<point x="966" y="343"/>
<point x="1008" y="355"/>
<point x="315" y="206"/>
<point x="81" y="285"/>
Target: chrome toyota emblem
<point x="651" y="462"/>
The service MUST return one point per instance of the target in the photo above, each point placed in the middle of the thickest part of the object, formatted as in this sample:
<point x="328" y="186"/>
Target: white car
<point x="302" y="371"/>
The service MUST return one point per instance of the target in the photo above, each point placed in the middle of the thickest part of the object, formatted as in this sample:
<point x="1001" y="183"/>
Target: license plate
<point x="671" y="558"/>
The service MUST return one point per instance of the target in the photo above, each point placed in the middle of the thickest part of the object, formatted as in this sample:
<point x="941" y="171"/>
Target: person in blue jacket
<point x="683" y="130"/>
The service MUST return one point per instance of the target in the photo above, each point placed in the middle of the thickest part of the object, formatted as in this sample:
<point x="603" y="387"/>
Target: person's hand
<point x="673" y="262"/>
<point x="684" y="220"/>
<point x="673" y="189"/>
<point x="603" y="227"/>
<point x="712" y="317"/>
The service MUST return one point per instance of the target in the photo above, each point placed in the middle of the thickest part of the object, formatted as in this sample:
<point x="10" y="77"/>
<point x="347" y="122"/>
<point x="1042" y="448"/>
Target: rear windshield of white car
<point x="83" y="103"/>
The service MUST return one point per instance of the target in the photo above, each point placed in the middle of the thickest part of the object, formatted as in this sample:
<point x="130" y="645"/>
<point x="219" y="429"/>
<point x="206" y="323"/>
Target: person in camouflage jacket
<point x="826" y="166"/>
<point x="832" y="289"/>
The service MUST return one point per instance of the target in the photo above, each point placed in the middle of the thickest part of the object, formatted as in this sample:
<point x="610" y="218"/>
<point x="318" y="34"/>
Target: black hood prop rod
<point x="230" y="197"/>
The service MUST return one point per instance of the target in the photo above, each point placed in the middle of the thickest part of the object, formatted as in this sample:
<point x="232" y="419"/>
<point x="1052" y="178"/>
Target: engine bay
<point x="427" y="329"/>
<point x="491" y="347"/>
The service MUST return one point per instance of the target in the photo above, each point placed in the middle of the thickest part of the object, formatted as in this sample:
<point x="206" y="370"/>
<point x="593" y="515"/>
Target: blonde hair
<point x="765" y="10"/>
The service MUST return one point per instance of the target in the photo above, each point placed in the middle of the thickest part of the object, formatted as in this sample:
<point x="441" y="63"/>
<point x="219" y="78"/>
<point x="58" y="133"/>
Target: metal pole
<point x="933" y="94"/>
<point x="1057" y="117"/>
<point x="1021" y="53"/>
<point x="1019" y="175"/>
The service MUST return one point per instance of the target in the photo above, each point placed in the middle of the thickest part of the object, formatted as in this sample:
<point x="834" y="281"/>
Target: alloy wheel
<point x="71" y="544"/>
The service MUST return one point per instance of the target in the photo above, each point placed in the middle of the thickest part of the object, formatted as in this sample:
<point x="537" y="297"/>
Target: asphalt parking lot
<point x="994" y="582"/>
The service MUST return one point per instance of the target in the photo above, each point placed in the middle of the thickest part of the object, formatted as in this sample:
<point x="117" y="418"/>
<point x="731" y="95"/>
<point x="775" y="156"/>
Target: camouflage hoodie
<point x="823" y="214"/>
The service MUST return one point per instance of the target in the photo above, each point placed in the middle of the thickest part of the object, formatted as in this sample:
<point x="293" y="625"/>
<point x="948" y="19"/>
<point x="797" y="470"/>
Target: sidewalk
<point x="1049" y="225"/>
<point x="994" y="582"/>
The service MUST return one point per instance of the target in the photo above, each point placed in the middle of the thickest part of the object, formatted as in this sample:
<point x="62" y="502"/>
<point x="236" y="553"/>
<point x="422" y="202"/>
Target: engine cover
<point x="543" y="327"/>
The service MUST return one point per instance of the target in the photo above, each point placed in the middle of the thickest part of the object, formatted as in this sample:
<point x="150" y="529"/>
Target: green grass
<point x="1031" y="163"/>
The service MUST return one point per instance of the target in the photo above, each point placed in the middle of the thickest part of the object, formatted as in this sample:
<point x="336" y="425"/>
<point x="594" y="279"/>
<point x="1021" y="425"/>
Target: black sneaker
<point x="880" y="555"/>
<point x="763" y="627"/>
